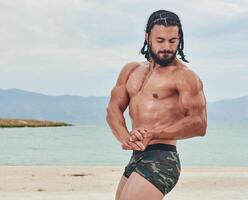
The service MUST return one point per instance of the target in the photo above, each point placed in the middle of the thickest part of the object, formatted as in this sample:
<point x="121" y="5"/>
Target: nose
<point x="166" y="46"/>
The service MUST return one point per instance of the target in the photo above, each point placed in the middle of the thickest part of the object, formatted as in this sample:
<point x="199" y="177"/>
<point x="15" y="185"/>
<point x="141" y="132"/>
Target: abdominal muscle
<point x="151" y="114"/>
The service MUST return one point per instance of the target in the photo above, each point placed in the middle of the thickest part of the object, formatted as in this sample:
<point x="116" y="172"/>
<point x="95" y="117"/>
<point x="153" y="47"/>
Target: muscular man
<point x="166" y="103"/>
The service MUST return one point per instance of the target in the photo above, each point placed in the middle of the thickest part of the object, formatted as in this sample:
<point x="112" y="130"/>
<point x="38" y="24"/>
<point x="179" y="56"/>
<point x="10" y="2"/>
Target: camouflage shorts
<point x="159" y="164"/>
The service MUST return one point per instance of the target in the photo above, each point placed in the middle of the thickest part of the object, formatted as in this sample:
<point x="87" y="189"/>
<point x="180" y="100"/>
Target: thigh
<point x="120" y="187"/>
<point x="138" y="188"/>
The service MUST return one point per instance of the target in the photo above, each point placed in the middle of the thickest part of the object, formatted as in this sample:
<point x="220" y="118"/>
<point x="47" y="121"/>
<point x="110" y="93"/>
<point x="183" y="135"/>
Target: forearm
<point x="185" y="128"/>
<point x="117" y="123"/>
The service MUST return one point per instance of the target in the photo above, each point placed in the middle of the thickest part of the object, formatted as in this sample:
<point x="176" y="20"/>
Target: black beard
<point x="162" y="62"/>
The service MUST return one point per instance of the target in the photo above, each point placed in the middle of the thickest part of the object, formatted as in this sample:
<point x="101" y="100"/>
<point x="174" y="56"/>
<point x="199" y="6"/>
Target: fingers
<point x="136" y="135"/>
<point x="137" y="140"/>
<point x="143" y="131"/>
<point x="126" y="146"/>
<point x="140" y="145"/>
<point x="137" y="146"/>
<point x="146" y="133"/>
<point x="146" y="141"/>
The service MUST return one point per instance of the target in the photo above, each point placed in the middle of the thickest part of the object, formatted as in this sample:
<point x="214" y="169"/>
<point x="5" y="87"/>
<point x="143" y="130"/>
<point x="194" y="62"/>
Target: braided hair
<point x="165" y="18"/>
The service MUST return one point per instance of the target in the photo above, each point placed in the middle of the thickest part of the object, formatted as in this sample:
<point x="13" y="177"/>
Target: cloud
<point x="85" y="37"/>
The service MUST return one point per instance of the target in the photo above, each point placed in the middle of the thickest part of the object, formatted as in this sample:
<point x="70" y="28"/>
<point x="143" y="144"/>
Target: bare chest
<point x="157" y="84"/>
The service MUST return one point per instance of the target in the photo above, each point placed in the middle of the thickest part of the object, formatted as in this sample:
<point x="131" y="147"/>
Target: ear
<point x="146" y="37"/>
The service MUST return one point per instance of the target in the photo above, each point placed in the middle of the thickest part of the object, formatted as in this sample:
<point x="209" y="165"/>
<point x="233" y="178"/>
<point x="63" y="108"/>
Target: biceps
<point x="193" y="104"/>
<point x="119" y="97"/>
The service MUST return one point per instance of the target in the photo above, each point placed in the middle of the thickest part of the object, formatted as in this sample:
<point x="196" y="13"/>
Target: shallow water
<point x="223" y="145"/>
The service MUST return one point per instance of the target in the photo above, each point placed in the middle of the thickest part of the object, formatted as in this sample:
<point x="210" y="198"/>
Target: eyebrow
<point x="161" y="38"/>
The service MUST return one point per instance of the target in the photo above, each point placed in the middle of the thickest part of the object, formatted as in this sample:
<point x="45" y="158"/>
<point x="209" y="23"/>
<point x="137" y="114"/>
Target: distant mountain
<point x="16" y="103"/>
<point x="235" y="110"/>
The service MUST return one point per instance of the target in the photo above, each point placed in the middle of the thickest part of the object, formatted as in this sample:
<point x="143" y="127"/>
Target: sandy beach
<point x="100" y="182"/>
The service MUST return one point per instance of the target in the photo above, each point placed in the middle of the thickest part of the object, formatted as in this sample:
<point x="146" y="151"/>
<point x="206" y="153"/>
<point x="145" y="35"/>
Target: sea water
<point x="94" y="144"/>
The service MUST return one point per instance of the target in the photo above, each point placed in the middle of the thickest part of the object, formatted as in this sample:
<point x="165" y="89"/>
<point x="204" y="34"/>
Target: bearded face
<point x="163" y="44"/>
<point x="163" y="58"/>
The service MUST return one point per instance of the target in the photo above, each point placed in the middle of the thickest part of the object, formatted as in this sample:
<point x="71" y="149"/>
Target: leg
<point x="138" y="188"/>
<point x="120" y="187"/>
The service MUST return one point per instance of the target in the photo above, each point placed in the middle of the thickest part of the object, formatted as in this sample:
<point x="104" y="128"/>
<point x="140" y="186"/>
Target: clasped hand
<point x="138" y="140"/>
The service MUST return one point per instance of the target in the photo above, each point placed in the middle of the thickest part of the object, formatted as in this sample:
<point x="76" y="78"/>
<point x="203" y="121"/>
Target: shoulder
<point x="187" y="74"/>
<point x="188" y="79"/>
<point x="126" y="70"/>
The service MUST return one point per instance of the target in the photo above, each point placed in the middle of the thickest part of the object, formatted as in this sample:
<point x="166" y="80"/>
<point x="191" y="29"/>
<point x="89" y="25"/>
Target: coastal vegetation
<point x="13" y="123"/>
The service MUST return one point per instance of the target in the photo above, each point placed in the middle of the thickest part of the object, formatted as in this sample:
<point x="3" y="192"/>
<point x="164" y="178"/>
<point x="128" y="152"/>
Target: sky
<point x="78" y="47"/>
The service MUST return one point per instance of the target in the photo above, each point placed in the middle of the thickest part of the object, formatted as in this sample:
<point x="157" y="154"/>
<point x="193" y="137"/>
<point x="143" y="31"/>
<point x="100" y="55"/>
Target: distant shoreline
<point x="19" y="123"/>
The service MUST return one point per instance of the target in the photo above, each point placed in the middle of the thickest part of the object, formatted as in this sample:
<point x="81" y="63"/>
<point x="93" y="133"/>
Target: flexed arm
<point x="192" y="102"/>
<point x="118" y="103"/>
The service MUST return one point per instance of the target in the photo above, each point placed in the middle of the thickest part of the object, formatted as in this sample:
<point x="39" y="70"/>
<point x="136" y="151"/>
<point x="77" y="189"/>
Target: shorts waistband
<point x="165" y="147"/>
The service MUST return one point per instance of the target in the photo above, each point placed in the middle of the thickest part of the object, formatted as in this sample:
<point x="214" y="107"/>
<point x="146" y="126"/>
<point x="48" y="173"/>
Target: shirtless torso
<point x="157" y="97"/>
<point x="154" y="98"/>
